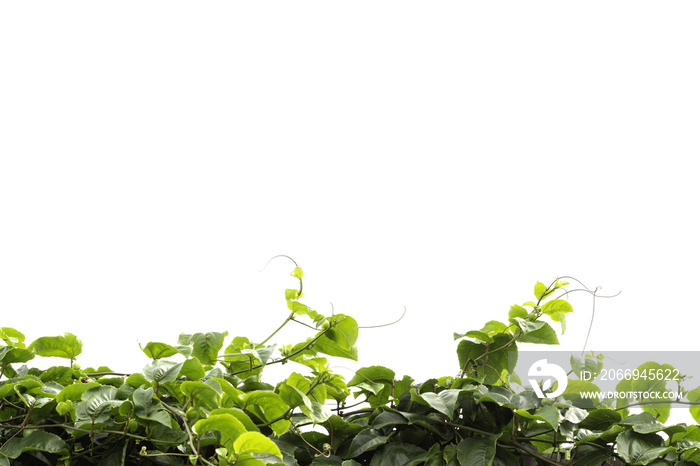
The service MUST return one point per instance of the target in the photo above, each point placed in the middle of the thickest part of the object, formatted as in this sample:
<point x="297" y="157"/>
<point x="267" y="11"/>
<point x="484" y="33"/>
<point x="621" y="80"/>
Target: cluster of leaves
<point x="198" y="402"/>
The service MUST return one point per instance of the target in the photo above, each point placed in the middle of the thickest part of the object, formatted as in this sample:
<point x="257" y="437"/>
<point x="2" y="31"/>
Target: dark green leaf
<point x="547" y="414"/>
<point x="588" y="455"/>
<point x="477" y="451"/>
<point x="640" y="449"/>
<point x="96" y="403"/>
<point x="501" y="360"/>
<point x="600" y="419"/>
<point x="37" y="440"/>
<point x="366" y="440"/>
<point x="149" y="409"/>
<point x="399" y="454"/>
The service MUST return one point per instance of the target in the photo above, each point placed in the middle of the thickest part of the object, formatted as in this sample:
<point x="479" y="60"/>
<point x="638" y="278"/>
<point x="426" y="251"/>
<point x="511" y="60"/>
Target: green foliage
<point x="203" y="401"/>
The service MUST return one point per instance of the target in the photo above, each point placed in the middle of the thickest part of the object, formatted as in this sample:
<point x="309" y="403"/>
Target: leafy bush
<point x="203" y="401"/>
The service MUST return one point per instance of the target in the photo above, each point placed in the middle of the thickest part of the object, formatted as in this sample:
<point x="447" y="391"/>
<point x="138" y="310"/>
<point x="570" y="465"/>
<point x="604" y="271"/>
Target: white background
<point x="442" y="156"/>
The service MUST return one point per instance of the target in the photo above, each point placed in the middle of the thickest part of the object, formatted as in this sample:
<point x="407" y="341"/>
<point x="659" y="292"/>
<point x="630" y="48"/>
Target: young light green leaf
<point x="540" y="290"/>
<point x="225" y="423"/>
<point x="340" y="339"/>
<point x="557" y="305"/>
<point x="75" y="391"/>
<point x="268" y="406"/>
<point x="255" y="442"/>
<point x="12" y="337"/>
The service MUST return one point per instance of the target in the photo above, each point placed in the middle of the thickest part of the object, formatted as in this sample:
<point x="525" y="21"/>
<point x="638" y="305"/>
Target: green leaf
<point x="66" y="346"/>
<point x="556" y="310"/>
<point x="372" y="374"/>
<point x="37" y="440"/>
<point x="240" y="415"/>
<point x="591" y="364"/>
<point x="312" y="409"/>
<point x="162" y="371"/>
<point x="574" y="389"/>
<point x="516" y="311"/>
<point x="203" y="394"/>
<point x="146" y="408"/>
<point x="364" y="441"/>
<point x="298" y="273"/>
<point x="588" y="455"/>
<point x="206" y="346"/>
<point x="544" y="335"/>
<point x="477" y="451"/>
<point x="340" y="339"/>
<point x="493" y="368"/>
<point x="225" y="423"/>
<point x="528" y="326"/>
<point x="540" y="290"/>
<point x="694" y="397"/>
<point x="444" y="402"/>
<point x="192" y="369"/>
<point x="478" y="335"/>
<point x="661" y="410"/>
<point x="75" y="391"/>
<point x="255" y="442"/>
<point x="12" y="354"/>
<point x="267" y="406"/>
<point x="493" y="327"/>
<point x="556" y="305"/>
<point x="12" y="337"/>
<point x="399" y="454"/>
<point x="96" y="404"/>
<point x="231" y="395"/>
<point x="637" y="448"/>
<point x="600" y="419"/>
<point x="157" y="350"/>
<point x="547" y="414"/>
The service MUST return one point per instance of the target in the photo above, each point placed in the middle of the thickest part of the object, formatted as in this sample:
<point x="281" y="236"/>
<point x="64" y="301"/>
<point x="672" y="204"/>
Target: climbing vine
<point x="204" y="400"/>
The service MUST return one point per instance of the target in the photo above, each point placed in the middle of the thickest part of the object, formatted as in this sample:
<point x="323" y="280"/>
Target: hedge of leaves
<point x="203" y="401"/>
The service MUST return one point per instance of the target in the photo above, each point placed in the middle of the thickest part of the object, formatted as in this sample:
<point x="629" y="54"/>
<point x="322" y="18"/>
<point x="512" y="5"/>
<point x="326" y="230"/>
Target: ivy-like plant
<point x="203" y="401"/>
